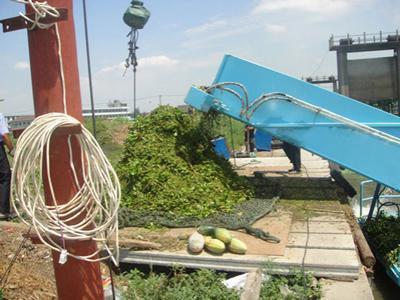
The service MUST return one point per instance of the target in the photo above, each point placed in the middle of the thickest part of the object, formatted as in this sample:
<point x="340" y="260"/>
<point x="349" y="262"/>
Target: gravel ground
<point x="32" y="275"/>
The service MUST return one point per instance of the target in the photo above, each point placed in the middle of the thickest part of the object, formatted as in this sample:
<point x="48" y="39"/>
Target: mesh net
<point x="242" y="216"/>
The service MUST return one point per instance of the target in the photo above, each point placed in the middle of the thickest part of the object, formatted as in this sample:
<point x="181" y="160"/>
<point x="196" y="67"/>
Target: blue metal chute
<point x="338" y="128"/>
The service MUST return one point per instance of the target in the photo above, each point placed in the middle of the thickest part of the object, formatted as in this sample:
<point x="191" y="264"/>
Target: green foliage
<point x="107" y="134"/>
<point x="113" y="152"/>
<point x="393" y="257"/>
<point x="105" y="128"/>
<point x="202" y="284"/>
<point x="207" y="284"/>
<point x="299" y="285"/>
<point x="103" y="132"/>
<point x="384" y="232"/>
<point x="1" y="294"/>
<point x="169" y="165"/>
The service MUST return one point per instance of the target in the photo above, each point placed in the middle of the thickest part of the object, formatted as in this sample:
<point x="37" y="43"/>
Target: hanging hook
<point x="131" y="60"/>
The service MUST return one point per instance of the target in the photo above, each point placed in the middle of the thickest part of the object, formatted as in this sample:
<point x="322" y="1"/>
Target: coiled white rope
<point x="92" y="213"/>
<point x="41" y="9"/>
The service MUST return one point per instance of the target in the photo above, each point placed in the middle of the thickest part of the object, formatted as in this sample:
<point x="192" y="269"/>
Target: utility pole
<point x="160" y="100"/>
<point x="76" y="279"/>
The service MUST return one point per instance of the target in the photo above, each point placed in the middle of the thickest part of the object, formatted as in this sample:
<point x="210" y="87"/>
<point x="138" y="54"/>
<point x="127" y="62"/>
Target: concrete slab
<point x="346" y="260"/>
<point x="345" y="268"/>
<point x="326" y="217"/>
<point x="332" y="257"/>
<point x="322" y="241"/>
<point x="340" y="290"/>
<point x="277" y="164"/>
<point x="321" y="227"/>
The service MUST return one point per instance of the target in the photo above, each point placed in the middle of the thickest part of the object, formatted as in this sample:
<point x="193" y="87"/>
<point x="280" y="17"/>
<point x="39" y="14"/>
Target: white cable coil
<point x="92" y="213"/>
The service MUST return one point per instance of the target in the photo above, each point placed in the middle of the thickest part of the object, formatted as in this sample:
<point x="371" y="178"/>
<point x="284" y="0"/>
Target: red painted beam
<point x="75" y="279"/>
<point x="17" y="23"/>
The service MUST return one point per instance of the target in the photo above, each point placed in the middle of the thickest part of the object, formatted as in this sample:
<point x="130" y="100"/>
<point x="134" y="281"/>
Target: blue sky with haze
<point x="185" y="40"/>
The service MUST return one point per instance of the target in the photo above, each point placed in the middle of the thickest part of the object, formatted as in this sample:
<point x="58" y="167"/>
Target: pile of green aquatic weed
<point x="201" y="284"/>
<point x="169" y="165"/>
<point x="384" y="233"/>
<point x="298" y="285"/>
<point x="207" y="284"/>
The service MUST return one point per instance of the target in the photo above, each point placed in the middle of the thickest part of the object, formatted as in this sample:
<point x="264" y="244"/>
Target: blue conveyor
<point x="348" y="132"/>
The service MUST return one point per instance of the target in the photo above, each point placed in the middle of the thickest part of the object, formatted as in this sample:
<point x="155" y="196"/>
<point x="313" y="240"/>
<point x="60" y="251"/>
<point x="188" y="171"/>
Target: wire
<point x="64" y="94"/>
<point x="112" y="279"/>
<point x="89" y="68"/>
<point x="304" y="258"/>
<point x="92" y="213"/>
<point x="320" y="64"/>
<point x="232" y="141"/>
<point x="4" y="277"/>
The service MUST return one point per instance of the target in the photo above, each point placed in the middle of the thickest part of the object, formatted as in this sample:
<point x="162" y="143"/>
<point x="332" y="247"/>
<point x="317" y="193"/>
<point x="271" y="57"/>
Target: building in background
<point x="19" y="122"/>
<point x="375" y="81"/>
<point x="114" y="109"/>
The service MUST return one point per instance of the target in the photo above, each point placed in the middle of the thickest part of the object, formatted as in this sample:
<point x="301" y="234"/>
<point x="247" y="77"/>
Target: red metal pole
<point x="75" y="279"/>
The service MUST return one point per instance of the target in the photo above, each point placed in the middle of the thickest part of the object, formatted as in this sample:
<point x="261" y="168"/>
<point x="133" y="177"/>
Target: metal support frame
<point x="375" y="200"/>
<point x="325" y="79"/>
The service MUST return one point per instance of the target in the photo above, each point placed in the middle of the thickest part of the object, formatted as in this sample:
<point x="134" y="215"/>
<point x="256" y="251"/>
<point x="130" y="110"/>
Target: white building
<point x="19" y="122"/>
<point x="114" y="109"/>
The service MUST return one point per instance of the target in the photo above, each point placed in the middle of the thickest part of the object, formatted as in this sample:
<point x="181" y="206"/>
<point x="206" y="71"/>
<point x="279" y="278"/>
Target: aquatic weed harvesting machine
<point x="343" y="130"/>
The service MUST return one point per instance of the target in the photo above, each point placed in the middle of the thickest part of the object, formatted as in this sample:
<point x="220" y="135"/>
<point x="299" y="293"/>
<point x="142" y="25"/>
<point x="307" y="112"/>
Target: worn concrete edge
<point x="235" y="265"/>
<point x="321" y="247"/>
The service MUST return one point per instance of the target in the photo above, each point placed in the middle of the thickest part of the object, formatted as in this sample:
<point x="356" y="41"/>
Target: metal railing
<point x="384" y="199"/>
<point x="364" y="38"/>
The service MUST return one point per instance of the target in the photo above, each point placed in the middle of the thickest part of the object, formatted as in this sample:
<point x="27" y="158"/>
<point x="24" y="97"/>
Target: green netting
<point x="242" y="216"/>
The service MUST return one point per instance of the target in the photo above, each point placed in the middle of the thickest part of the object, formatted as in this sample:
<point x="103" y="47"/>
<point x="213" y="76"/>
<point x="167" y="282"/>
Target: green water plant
<point x="384" y="233"/>
<point x="169" y="165"/>
<point x="297" y="285"/>
<point x="199" y="285"/>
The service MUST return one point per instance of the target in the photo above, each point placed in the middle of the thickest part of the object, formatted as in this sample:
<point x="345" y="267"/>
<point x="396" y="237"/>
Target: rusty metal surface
<point x="35" y="239"/>
<point x="17" y="23"/>
<point x="17" y="132"/>
<point x="65" y="130"/>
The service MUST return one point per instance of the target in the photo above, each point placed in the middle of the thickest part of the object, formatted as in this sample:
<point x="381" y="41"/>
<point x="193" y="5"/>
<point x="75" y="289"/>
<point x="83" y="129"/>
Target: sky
<point x="184" y="42"/>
